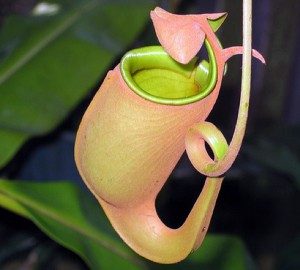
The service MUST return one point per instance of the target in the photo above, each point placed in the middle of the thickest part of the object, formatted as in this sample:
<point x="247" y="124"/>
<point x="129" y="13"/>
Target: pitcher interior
<point x="154" y="75"/>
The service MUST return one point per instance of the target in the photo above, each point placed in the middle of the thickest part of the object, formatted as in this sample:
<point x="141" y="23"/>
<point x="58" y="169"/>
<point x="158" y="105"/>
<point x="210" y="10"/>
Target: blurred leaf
<point x="278" y="151"/>
<point x="18" y="243"/>
<point x="49" y="62"/>
<point x="289" y="259"/>
<point x="75" y="220"/>
<point x="224" y="252"/>
<point x="72" y="218"/>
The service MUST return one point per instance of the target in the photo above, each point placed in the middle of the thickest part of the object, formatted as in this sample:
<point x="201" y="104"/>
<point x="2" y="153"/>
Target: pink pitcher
<point x="148" y="111"/>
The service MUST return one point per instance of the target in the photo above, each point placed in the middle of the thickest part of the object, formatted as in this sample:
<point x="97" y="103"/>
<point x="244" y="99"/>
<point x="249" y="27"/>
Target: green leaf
<point x="75" y="220"/>
<point x="223" y="252"/>
<point x="48" y="63"/>
<point x="72" y="218"/>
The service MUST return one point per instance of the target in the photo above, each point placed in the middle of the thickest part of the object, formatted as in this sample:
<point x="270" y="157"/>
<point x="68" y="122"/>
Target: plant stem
<point x="241" y="123"/>
<point x="246" y="78"/>
<point x="239" y="132"/>
<point x="246" y="66"/>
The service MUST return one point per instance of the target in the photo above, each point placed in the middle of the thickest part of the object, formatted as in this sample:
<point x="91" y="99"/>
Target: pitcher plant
<point x="151" y="108"/>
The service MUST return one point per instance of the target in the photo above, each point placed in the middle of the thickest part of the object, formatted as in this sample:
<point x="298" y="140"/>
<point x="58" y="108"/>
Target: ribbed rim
<point x="150" y="57"/>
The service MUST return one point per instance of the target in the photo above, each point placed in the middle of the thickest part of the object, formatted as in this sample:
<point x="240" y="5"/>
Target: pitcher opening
<point x="154" y="75"/>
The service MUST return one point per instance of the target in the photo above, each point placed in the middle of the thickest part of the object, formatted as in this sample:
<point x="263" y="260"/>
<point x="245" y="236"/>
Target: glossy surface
<point x="152" y="74"/>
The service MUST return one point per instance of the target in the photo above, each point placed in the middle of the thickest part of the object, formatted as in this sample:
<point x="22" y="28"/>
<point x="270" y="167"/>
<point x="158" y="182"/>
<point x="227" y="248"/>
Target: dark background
<point x="260" y="197"/>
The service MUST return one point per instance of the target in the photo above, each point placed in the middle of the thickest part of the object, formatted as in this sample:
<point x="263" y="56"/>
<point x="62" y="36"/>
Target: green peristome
<point x="152" y="74"/>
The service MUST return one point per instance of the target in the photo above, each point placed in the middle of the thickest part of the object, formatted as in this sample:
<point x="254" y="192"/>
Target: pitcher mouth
<point x="155" y="76"/>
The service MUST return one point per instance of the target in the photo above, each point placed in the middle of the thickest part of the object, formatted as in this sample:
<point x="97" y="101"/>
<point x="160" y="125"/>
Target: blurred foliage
<point x="48" y="62"/>
<point x="71" y="217"/>
<point x="279" y="150"/>
<point x="74" y="219"/>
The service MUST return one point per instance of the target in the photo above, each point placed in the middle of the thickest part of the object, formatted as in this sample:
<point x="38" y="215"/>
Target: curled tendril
<point x="195" y="140"/>
<point x="182" y="46"/>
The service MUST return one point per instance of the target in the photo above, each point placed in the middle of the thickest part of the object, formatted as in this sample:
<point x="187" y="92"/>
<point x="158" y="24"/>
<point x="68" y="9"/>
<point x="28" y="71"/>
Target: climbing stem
<point x="246" y="66"/>
<point x="246" y="78"/>
<point x="220" y="167"/>
<point x="240" y="127"/>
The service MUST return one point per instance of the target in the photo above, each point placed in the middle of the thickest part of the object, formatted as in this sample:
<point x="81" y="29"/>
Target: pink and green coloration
<point x="148" y="111"/>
